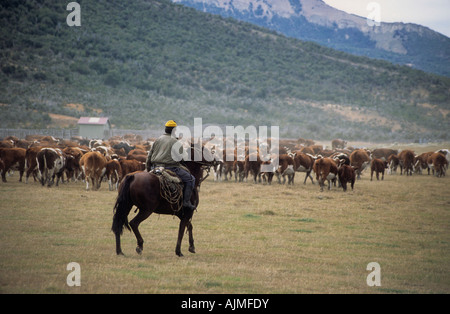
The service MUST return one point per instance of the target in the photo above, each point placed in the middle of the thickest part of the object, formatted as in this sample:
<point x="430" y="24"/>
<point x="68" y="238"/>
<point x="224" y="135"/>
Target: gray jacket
<point x="161" y="152"/>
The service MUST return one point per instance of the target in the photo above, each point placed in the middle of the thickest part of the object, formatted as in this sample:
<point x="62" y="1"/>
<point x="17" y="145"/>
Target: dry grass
<point x="249" y="239"/>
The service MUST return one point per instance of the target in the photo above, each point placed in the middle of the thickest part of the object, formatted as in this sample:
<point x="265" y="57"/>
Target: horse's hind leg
<point x="185" y="221"/>
<point x="134" y="224"/>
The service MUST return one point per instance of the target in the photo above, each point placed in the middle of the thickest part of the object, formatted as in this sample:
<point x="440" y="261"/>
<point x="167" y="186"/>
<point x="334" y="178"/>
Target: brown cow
<point x="304" y="163"/>
<point x="346" y="174"/>
<point x="129" y="166"/>
<point x="406" y="161"/>
<point x="2" y="165"/>
<point x="252" y="164"/>
<point x="325" y="169"/>
<point x="437" y="162"/>
<point x="383" y="153"/>
<point x="50" y="163"/>
<point x="307" y="150"/>
<point x="73" y="168"/>
<point x="113" y="173"/>
<point x="225" y="165"/>
<point x="137" y="154"/>
<point x="125" y="146"/>
<point x="31" y="162"/>
<point x="338" y="143"/>
<point x="421" y="162"/>
<point x="226" y="169"/>
<point x="327" y="152"/>
<point x="316" y="149"/>
<point x="359" y="159"/>
<point x="265" y="173"/>
<point x="306" y="142"/>
<point x="13" y="159"/>
<point x="7" y="144"/>
<point x="93" y="165"/>
<point x="392" y="163"/>
<point x="446" y="153"/>
<point x="238" y="168"/>
<point x="377" y="166"/>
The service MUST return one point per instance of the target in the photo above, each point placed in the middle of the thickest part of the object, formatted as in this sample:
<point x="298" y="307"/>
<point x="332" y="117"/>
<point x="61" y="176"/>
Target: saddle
<point x="171" y="187"/>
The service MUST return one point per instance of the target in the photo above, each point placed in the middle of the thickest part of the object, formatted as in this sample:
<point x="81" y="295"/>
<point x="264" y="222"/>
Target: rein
<point x="205" y="165"/>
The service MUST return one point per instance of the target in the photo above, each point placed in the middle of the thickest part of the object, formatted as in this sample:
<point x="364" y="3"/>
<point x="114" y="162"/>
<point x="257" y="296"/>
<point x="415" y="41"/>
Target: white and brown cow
<point x="93" y="165"/>
<point x="285" y="168"/>
<point x="421" y="162"/>
<point x="73" y="168"/>
<point x="304" y="163"/>
<point x="393" y="163"/>
<point x="438" y="163"/>
<point x="359" y="160"/>
<point x="113" y="173"/>
<point x="446" y="153"/>
<point x="325" y="169"/>
<point x="50" y="164"/>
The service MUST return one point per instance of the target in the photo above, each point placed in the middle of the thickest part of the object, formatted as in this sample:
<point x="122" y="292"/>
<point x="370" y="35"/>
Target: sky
<point x="434" y="14"/>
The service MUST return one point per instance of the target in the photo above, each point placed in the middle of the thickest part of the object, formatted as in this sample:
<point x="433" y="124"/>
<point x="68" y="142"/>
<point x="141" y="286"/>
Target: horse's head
<point x="202" y="155"/>
<point x="201" y="159"/>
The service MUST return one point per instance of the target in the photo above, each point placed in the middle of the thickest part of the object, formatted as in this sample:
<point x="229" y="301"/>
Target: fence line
<point x="68" y="133"/>
<point x="22" y="133"/>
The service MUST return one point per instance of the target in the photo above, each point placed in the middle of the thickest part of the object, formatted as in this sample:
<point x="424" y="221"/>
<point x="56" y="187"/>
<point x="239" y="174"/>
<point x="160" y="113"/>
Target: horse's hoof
<point x="192" y="249"/>
<point x="139" y="250"/>
<point x="120" y="253"/>
<point x="179" y="254"/>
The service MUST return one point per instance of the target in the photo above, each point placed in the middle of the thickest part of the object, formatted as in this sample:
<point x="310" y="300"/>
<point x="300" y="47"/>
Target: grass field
<point x="249" y="239"/>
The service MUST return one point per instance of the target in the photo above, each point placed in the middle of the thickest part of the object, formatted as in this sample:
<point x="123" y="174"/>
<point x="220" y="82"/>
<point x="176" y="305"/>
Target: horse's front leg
<point x="134" y="224"/>
<point x="183" y="223"/>
<point x="191" y="238"/>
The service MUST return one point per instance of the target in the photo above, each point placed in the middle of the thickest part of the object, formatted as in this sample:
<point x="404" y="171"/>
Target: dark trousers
<point x="187" y="178"/>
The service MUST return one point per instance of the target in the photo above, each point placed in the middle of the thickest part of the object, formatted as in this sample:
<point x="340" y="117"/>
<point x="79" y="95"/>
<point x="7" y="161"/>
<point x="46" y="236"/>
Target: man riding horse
<point x="160" y="155"/>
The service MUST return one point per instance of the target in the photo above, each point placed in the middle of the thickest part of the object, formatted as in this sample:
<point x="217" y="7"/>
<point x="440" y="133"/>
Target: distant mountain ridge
<point x="314" y="20"/>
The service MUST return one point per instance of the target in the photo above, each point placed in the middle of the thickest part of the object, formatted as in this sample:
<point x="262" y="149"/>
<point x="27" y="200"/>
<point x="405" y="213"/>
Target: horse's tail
<point x="123" y="206"/>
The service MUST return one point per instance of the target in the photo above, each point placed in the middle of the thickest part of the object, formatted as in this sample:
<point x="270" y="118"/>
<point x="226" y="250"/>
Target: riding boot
<point x="187" y="193"/>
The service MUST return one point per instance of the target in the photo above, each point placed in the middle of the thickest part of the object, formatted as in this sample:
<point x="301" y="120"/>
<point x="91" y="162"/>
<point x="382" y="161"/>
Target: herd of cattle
<point x="47" y="159"/>
<point x="340" y="163"/>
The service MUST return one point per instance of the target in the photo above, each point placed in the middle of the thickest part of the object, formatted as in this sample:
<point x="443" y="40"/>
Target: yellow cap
<point x="171" y="124"/>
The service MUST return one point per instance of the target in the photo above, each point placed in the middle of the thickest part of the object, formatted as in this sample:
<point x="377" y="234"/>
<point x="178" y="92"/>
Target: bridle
<point x="206" y="166"/>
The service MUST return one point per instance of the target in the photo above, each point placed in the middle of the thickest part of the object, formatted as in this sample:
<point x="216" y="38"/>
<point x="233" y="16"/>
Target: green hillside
<point x="143" y="62"/>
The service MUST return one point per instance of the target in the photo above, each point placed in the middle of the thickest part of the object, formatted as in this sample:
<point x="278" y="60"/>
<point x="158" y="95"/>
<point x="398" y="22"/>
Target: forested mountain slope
<point x="144" y="62"/>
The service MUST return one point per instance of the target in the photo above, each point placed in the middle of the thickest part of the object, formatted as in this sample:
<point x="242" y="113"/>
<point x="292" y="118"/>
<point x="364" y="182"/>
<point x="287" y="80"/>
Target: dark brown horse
<point x="142" y="189"/>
